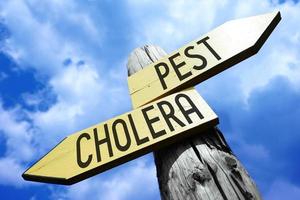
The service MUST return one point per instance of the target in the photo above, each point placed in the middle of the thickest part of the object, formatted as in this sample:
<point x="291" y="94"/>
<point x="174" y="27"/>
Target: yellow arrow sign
<point x="123" y="138"/>
<point x="202" y="58"/>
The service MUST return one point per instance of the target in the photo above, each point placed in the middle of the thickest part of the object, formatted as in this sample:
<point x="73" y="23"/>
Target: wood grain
<point x="201" y="167"/>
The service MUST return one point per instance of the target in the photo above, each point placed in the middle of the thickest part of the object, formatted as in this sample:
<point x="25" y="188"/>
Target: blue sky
<point x="63" y="68"/>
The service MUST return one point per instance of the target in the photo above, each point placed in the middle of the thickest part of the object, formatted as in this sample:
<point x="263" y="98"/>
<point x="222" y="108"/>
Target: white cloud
<point x="282" y="189"/>
<point x="3" y="76"/>
<point x="10" y="172"/>
<point x="18" y="134"/>
<point x="78" y="90"/>
<point x="18" y="147"/>
<point x="43" y="35"/>
<point x="133" y="181"/>
<point x="86" y="96"/>
<point x="183" y="21"/>
<point x="46" y="33"/>
<point x="255" y="151"/>
<point x="251" y="153"/>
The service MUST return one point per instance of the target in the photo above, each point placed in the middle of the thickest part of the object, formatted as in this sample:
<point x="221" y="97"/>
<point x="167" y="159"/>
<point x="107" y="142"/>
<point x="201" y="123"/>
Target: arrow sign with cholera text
<point x="123" y="138"/>
<point x="167" y="118"/>
<point x="202" y="58"/>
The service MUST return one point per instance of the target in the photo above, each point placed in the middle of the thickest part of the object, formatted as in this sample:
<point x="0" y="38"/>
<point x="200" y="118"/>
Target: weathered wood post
<point x="201" y="167"/>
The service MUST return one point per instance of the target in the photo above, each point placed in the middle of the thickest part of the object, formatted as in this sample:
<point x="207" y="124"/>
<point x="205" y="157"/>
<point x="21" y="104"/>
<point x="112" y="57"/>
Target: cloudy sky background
<point x="63" y="68"/>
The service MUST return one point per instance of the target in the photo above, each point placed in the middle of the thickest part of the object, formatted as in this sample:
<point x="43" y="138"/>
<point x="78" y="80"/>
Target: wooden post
<point x="201" y="167"/>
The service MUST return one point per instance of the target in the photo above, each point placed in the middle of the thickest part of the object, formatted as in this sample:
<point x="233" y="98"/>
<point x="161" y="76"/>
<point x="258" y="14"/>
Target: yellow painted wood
<point x="61" y="166"/>
<point x="223" y="47"/>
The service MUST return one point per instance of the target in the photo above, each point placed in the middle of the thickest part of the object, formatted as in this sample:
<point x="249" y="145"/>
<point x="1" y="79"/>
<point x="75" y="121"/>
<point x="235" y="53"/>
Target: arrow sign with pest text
<point x="123" y="138"/>
<point x="202" y="58"/>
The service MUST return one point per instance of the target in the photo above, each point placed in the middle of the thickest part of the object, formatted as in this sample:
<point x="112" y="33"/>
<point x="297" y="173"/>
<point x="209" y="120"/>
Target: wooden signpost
<point x="166" y="110"/>
<point x="200" y="167"/>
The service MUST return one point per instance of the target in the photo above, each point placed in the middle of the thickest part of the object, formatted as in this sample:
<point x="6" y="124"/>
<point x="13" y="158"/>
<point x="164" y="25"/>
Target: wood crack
<point x="216" y="181"/>
<point x="224" y="171"/>
<point x="146" y="48"/>
<point x="202" y="167"/>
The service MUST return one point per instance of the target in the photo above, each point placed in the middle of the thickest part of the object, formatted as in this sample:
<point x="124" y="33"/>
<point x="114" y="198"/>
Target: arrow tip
<point x="40" y="172"/>
<point x="271" y="21"/>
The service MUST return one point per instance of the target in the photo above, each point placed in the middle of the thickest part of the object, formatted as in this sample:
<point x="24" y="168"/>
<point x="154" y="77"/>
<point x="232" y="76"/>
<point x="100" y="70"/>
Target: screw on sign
<point x="166" y="108"/>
